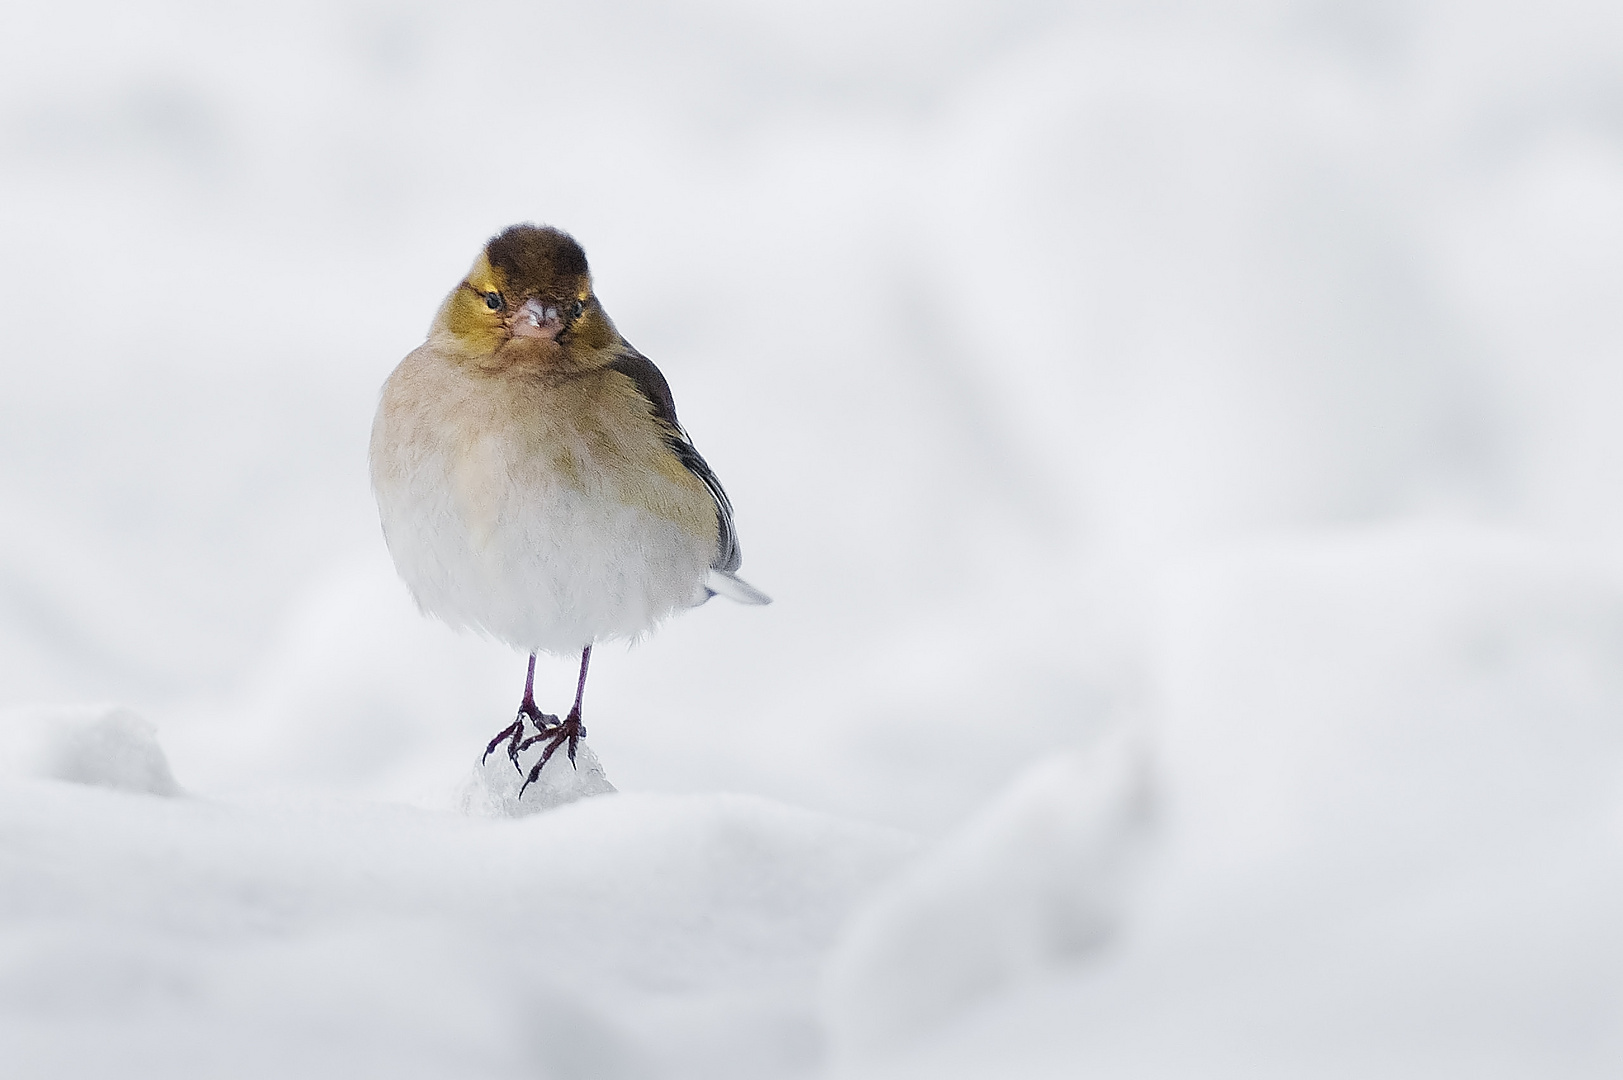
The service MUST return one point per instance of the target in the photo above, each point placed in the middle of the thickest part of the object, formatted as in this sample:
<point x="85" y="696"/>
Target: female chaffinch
<point x="532" y="478"/>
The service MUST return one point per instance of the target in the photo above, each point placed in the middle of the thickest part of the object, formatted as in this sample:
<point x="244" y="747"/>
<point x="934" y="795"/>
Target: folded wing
<point x="651" y="384"/>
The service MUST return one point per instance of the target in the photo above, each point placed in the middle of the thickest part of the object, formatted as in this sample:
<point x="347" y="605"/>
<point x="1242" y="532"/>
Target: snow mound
<point x="1033" y="880"/>
<point x="494" y="788"/>
<point x="648" y="936"/>
<point x="1386" y="772"/>
<point x="100" y="747"/>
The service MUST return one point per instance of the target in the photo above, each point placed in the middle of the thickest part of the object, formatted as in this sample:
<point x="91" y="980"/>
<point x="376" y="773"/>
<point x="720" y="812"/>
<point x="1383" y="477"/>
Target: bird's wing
<point x="652" y="385"/>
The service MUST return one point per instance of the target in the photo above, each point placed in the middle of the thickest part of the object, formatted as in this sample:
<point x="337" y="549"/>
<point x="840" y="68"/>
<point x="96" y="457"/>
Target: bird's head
<point x="528" y="297"/>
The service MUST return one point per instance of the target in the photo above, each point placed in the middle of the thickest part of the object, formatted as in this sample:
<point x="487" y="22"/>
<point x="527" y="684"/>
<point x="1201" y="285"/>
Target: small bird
<point x="533" y="481"/>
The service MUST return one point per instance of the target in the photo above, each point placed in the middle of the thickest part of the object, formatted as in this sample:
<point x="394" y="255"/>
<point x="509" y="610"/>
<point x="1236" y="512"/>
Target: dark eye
<point x="579" y="307"/>
<point x="493" y="301"/>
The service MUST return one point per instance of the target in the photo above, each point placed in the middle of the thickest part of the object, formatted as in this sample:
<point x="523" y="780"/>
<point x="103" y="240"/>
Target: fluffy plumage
<point x="531" y="475"/>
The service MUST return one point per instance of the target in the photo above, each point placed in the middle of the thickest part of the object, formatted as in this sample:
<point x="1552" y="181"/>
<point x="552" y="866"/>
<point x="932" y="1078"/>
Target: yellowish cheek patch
<point x="469" y="319"/>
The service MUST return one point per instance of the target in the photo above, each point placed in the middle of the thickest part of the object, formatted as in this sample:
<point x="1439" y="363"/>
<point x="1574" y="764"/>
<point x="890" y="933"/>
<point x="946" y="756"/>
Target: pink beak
<point x="535" y="319"/>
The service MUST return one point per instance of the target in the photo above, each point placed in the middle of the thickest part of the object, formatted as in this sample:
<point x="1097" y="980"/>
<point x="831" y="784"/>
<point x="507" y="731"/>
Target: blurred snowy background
<point x="1182" y="440"/>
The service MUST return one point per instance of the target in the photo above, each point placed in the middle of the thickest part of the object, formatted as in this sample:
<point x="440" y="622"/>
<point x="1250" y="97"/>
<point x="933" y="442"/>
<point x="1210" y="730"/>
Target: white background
<point x="1232" y="389"/>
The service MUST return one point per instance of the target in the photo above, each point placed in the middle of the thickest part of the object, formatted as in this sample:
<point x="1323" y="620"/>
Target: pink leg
<point x="513" y="733"/>
<point x="571" y="731"/>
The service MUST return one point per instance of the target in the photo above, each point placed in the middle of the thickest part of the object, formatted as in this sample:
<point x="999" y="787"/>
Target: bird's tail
<point x="723" y="583"/>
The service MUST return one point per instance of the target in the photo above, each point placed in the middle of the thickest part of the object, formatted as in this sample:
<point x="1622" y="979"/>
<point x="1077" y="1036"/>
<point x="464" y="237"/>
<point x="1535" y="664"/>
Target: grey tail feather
<point x="734" y="588"/>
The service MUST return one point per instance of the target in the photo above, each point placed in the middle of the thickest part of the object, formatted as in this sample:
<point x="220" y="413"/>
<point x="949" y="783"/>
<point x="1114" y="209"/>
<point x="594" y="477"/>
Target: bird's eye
<point x="580" y="306"/>
<point x="493" y="301"/>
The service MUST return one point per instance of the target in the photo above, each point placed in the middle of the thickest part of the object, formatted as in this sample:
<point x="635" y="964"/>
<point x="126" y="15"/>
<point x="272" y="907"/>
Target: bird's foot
<point x="513" y="734"/>
<point x="570" y="731"/>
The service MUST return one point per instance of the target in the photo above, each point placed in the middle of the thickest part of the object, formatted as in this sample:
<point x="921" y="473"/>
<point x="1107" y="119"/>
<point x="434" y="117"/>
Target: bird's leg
<point x="571" y="731"/>
<point x="514" y="732"/>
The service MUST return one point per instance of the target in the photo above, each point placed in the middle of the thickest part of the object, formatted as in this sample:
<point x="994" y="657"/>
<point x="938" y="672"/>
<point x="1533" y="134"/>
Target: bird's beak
<point x="536" y="320"/>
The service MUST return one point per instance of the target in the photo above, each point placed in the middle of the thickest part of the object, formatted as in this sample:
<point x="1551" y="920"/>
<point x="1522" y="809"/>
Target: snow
<point x="1387" y="843"/>
<point x="1035" y="879"/>
<point x="500" y="787"/>
<point x="111" y="748"/>
<point x="1180" y="441"/>
<point x="289" y="939"/>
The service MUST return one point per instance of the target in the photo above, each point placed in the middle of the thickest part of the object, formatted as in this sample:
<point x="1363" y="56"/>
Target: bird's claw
<point x="513" y="734"/>
<point x="567" y="733"/>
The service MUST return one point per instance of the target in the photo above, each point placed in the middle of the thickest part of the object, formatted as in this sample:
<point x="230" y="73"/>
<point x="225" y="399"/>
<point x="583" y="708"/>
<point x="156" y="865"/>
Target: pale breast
<point x="544" y="512"/>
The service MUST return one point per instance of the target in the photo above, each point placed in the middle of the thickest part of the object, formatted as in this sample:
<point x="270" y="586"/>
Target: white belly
<point x="536" y="561"/>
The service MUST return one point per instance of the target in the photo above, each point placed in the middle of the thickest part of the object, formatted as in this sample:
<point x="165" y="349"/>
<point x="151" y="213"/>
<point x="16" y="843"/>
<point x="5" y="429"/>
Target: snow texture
<point x="1181" y="442"/>
<point x="1368" y="860"/>
<point x="1032" y="881"/>
<point x="111" y="748"/>
<point x="497" y="788"/>
<point x="630" y="935"/>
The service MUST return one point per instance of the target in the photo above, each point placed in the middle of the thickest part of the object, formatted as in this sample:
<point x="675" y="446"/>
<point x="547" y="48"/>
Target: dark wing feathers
<point x="652" y="385"/>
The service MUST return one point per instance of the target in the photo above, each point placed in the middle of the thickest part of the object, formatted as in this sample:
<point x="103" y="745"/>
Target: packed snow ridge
<point x="627" y="935"/>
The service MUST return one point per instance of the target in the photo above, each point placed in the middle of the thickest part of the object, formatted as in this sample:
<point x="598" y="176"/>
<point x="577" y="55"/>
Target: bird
<point x="533" y="481"/>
